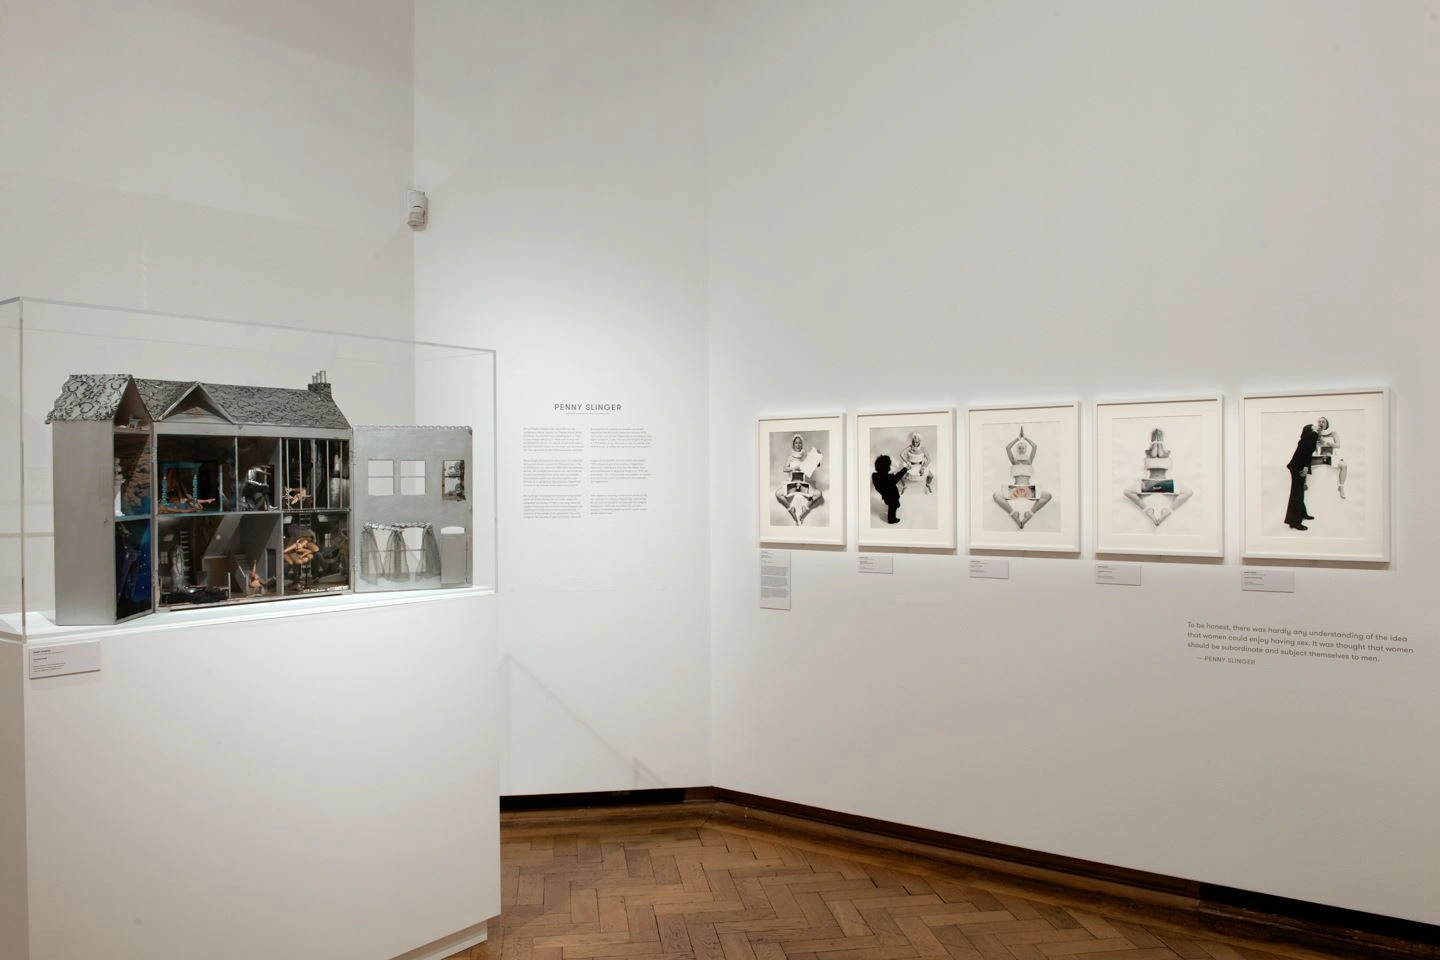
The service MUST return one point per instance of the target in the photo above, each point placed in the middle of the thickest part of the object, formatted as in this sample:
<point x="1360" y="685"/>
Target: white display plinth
<point x="317" y="781"/>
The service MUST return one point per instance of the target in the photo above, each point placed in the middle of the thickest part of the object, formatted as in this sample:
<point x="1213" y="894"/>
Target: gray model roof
<point x="89" y="397"/>
<point x="98" y="397"/>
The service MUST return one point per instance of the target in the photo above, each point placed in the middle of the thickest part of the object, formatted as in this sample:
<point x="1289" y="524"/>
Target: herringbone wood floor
<point x="678" y="887"/>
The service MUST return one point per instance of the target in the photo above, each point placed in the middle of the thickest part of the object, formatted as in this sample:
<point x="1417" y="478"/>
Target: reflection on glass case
<point x="225" y="494"/>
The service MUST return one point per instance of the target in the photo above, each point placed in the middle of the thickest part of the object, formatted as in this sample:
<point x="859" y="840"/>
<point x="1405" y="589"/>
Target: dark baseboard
<point x="1269" y="916"/>
<point x="1218" y="898"/>
<point x="604" y="798"/>
<point x="979" y="848"/>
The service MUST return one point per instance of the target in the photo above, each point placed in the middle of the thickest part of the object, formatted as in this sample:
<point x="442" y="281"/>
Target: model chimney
<point x="320" y="384"/>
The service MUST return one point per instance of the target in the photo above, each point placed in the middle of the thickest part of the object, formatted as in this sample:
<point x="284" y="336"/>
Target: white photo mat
<point x="1024" y="465"/>
<point x="922" y="444"/>
<point x="1160" y="478"/>
<point x="801" y="491"/>
<point x="1349" y="449"/>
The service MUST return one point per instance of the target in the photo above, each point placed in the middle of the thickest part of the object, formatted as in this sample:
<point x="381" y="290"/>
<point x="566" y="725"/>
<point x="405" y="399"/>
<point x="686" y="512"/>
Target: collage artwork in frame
<point x="1316" y="478"/>
<point x="1160" y="478"/>
<point x="906" y="478"/>
<point x="1025" y="478"/>
<point x="802" y="480"/>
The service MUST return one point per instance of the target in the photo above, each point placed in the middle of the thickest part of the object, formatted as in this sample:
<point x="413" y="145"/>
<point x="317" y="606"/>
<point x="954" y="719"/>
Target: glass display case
<point x="11" y="553"/>
<point x="163" y="464"/>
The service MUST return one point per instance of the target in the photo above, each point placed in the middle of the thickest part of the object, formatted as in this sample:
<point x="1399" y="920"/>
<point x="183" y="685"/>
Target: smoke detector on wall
<point x="419" y="210"/>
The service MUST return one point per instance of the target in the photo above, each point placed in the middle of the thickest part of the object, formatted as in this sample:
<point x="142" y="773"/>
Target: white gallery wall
<point x="941" y="203"/>
<point x="710" y="211"/>
<point x="239" y="160"/>
<point x="559" y="145"/>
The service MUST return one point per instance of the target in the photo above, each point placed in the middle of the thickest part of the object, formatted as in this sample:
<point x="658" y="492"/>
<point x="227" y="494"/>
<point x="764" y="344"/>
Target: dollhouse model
<point x="173" y="494"/>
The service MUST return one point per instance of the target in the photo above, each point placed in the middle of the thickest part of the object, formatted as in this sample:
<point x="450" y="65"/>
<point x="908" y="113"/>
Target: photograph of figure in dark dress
<point x="887" y="484"/>
<point x="1299" y="466"/>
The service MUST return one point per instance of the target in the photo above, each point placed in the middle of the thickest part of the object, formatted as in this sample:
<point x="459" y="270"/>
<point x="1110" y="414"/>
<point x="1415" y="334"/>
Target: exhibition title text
<point x="587" y="407"/>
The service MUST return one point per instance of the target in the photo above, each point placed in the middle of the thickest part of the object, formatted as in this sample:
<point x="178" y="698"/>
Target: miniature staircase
<point x="240" y="573"/>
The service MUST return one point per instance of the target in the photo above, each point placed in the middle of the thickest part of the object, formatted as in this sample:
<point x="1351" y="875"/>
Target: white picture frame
<point x="1344" y="497"/>
<point x="1159" y="476"/>
<point x="801" y="493"/>
<point x="1024" y="477"/>
<point x="927" y="518"/>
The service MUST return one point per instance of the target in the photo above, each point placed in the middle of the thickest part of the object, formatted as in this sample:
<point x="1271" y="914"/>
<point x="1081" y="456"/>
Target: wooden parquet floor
<point x="705" y="888"/>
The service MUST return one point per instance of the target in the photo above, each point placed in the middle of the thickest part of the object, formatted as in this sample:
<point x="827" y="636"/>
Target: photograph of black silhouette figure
<point x="905" y="477"/>
<point x="1299" y="467"/>
<point x="887" y="484"/>
<point x="1306" y="497"/>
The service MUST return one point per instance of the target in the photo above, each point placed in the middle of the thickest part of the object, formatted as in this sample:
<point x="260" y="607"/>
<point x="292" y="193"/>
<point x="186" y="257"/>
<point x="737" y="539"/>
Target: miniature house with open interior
<point x="173" y="494"/>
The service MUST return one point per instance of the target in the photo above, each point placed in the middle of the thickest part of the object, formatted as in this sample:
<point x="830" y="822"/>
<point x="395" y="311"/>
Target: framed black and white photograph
<point x="802" y="480"/>
<point x="1024" y="491"/>
<point x="1316" y="476"/>
<point x="1160" y="478"/>
<point x="906" y="479"/>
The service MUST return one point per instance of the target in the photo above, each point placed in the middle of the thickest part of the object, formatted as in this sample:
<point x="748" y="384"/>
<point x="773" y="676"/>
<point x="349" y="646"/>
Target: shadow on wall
<point x="516" y="677"/>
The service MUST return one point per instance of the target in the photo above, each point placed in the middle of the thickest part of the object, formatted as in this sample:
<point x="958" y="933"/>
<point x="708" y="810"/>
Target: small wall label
<point x="989" y="568"/>
<point x="1122" y="574"/>
<point x="63" y="659"/>
<point x="775" y="579"/>
<point x="1268" y="581"/>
